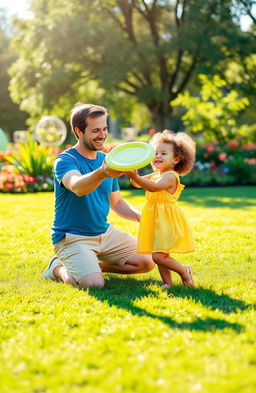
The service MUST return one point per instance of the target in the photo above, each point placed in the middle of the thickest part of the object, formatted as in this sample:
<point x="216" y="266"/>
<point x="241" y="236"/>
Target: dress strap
<point x="175" y="174"/>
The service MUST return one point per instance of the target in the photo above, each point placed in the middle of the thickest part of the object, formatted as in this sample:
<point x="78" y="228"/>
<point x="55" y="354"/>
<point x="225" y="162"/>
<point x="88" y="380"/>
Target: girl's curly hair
<point x="183" y="146"/>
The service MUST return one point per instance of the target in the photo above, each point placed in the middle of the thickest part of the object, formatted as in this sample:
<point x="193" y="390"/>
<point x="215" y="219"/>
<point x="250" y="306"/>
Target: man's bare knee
<point x="93" y="280"/>
<point x="147" y="263"/>
<point x="143" y="262"/>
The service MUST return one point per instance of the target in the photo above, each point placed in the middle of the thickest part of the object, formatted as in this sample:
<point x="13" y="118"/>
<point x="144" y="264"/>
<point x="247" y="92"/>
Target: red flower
<point x="9" y="186"/>
<point x="152" y="131"/>
<point x="30" y="180"/>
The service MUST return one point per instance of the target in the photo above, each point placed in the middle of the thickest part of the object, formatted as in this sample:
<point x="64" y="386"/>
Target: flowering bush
<point x="12" y="182"/>
<point x="216" y="164"/>
<point x="233" y="163"/>
<point x="27" y="168"/>
<point x="220" y="164"/>
<point x="32" y="159"/>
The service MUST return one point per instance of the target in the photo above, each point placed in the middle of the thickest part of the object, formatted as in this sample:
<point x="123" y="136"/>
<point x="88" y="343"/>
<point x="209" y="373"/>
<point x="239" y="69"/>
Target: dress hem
<point x="166" y="252"/>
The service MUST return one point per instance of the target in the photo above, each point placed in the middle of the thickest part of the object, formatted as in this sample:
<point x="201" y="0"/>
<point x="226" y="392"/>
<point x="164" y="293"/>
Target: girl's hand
<point x="131" y="174"/>
<point x="108" y="172"/>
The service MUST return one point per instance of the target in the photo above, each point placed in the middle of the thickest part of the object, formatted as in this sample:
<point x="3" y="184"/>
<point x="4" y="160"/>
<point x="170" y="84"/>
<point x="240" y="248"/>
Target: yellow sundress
<point x="163" y="226"/>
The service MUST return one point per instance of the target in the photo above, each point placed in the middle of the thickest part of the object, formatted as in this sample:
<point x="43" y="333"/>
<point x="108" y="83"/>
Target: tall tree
<point x="147" y="49"/>
<point x="11" y="118"/>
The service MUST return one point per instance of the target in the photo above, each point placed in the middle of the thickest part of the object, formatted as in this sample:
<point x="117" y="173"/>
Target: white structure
<point x="129" y="134"/>
<point x="20" y="136"/>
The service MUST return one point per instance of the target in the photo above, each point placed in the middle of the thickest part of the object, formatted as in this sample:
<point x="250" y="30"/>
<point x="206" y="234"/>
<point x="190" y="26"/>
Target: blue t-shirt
<point x="85" y="215"/>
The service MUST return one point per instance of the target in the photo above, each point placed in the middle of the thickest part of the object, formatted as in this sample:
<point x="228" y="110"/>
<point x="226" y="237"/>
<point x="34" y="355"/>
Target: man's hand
<point x="108" y="172"/>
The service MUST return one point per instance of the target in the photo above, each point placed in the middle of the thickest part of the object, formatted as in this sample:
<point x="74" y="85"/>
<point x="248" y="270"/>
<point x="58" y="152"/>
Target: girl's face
<point x="164" y="159"/>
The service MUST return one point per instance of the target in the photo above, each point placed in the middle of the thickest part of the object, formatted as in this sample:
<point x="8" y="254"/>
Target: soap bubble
<point x="51" y="130"/>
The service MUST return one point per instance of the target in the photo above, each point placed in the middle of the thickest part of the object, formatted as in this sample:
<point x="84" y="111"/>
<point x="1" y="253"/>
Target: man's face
<point x="95" y="133"/>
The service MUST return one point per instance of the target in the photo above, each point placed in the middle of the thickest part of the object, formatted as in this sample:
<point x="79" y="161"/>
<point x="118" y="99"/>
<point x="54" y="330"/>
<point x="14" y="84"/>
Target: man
<point x="85" y="189"/>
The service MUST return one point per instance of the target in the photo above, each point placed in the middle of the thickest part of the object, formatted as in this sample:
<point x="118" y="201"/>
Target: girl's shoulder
<point x="172" y="173"/>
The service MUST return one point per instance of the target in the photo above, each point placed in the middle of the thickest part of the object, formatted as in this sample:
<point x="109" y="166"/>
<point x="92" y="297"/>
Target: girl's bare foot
<point x="165" y="286"/>
<point x="187" y="278"/>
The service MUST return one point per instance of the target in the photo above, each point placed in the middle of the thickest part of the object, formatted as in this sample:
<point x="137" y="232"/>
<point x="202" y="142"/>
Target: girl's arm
<point x="143" y="177"/>
<point x="167" y="181"/>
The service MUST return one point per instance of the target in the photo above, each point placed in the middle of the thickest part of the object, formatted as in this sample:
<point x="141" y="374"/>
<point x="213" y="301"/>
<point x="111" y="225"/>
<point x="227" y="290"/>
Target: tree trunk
<point x="161" y="113"/>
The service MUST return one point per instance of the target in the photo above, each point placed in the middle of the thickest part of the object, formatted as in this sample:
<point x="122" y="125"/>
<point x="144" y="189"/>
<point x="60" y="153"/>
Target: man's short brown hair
<point x="81" y="111"/>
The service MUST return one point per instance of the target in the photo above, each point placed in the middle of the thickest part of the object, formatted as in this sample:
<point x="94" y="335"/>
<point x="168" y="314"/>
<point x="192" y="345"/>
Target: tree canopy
<point x="11" y="118"/>
<point x="105" y="51"/>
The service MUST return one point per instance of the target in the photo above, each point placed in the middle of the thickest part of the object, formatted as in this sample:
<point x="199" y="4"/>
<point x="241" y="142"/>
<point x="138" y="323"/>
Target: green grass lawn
<point x="131" y="336"/>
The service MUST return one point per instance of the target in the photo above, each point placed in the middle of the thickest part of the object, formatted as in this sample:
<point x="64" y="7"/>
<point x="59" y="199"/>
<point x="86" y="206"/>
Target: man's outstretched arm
<point x="84" y="184"/>
<point x="122" y="208"/>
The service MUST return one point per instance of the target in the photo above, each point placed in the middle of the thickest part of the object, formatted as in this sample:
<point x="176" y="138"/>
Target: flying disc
<point x="130" y="156"/>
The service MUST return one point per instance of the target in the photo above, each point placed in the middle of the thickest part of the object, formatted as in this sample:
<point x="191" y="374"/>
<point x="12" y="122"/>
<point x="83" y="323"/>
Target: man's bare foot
<point x="165" y="286"/>
<point x="187" y="278"/>
<point x="62" y="274"/>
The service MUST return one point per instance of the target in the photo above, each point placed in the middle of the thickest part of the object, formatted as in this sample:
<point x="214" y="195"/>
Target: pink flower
<point x="233" y="144"/>
<point x="206" y="155"/>
<point x="250" y="161"/>
<point x="222" y="156"/>
<point x="210" y="148"/>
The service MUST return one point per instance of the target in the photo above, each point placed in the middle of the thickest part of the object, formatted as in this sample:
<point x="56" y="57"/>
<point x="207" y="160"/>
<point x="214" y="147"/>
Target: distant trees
<point x="105" y="51"/>
<point x="11" y="118"/>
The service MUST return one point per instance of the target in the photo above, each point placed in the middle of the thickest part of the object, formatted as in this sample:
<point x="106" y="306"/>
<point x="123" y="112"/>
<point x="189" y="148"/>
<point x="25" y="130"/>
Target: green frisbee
<point x="130" y="156"/>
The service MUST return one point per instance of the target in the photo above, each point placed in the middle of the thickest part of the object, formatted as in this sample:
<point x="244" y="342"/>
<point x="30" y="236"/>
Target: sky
<point x="15" y="7"/>
<point x="20" y="8"/>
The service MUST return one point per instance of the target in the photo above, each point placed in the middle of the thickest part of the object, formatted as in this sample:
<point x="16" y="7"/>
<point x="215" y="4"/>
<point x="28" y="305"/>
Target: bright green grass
<point x="131" y="336"/>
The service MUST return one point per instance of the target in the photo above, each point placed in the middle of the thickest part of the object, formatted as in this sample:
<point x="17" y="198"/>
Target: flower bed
<point x="12" y="182"/>
<point x="216" y="164"/>
<point x="224" y="164"/>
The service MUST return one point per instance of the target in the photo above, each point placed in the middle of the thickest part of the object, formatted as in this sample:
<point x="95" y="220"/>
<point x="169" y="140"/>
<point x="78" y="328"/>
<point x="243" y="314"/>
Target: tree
<point x="146" y="50"/>
<point x="11" y="118"/>
<point x="214" y="112"/>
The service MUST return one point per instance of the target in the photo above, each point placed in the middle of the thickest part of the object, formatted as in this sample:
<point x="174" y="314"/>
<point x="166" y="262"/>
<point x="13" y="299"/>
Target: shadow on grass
<point x="122" y="293"/>
<point x="231" y="197"/>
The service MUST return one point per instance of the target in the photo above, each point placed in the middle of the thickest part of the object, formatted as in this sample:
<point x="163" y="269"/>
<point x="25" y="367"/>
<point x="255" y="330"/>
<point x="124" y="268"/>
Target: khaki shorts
<point x="81" y="254"/>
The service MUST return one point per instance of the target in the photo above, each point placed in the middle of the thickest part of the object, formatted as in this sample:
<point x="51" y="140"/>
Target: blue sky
<point x="20" y="8"/>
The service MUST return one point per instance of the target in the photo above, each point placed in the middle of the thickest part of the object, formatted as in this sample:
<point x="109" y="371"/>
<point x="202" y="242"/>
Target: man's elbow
<point x="76" y="190"/>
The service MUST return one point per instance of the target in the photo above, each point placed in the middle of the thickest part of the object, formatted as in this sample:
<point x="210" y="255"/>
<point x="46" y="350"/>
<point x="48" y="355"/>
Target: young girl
<point x="163" y="227"/>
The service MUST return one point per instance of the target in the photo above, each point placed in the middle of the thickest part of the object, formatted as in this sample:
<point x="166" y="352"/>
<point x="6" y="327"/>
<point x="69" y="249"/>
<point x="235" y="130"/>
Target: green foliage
<point x="147" y="50"/>
<point x="32" y="159"/>
<point x="11" y="117"/>
<point x="214" y="112"/>
<point x="131" y="336"/>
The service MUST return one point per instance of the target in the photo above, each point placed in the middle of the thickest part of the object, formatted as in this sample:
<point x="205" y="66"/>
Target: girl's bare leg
<point x="170" y="263"/>
<point x="166" y="276"/>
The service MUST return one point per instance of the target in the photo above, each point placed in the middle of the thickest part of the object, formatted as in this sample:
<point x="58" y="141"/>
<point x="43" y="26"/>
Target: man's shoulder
<point x="66" y="154"/>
